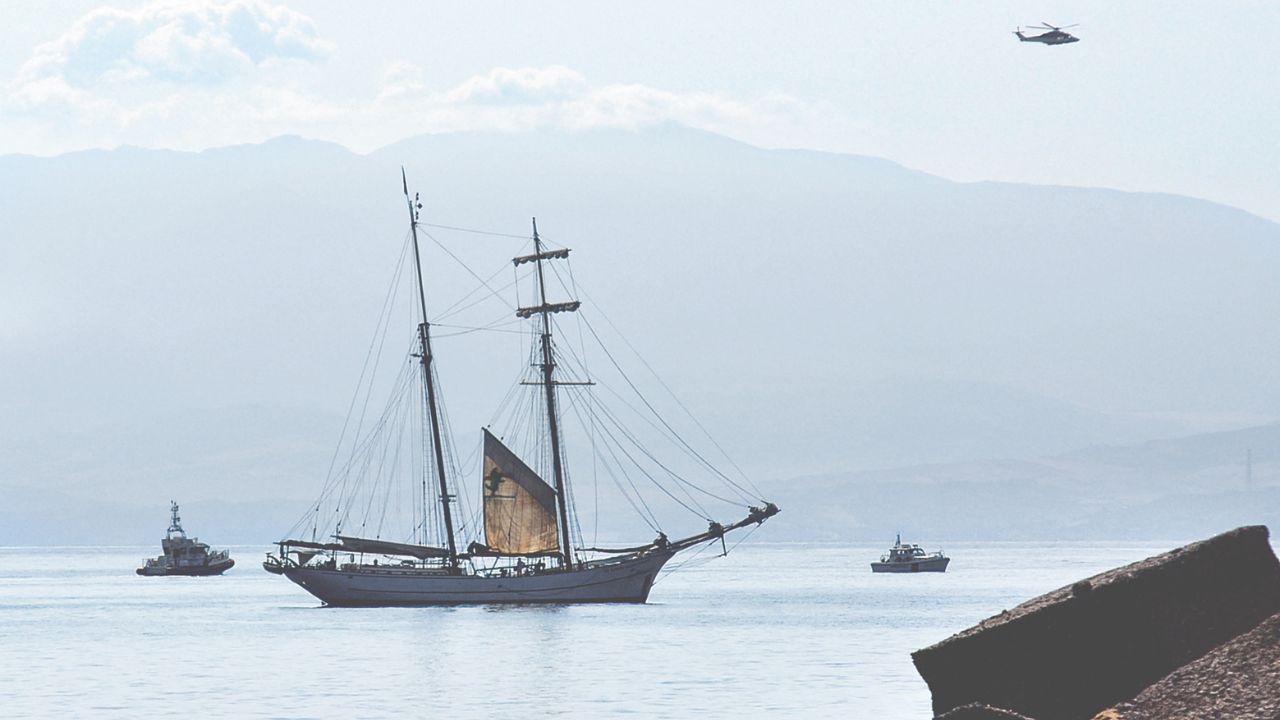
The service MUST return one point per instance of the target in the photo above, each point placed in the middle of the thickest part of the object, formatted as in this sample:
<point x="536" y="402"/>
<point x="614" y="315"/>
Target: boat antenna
<point x="548" y="368"/>
<point x="175" y="522"/>
<point x="424" y="336"/>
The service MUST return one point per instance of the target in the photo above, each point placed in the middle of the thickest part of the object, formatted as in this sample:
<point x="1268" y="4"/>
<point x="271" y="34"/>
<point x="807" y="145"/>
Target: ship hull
<point x="915" y="566"/>
<point x="189" y="570"/>
<point x="626" y="581"/>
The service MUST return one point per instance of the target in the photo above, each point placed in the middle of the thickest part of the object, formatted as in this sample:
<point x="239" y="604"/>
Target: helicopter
<point x="1054" y="36"/>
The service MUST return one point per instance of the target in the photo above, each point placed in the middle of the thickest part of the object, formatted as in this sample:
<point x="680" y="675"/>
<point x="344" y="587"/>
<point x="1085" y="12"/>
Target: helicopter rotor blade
<point x="1064" y="27"/>
<point x="1051" y="27"/>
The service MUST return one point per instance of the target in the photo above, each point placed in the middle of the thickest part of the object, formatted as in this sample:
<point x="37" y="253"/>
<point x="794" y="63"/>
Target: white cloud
<point x="200" y="73"/>
<point x="400" y="80"/>
<point x="111" y="53"/>
<point x="520" y="86"/>
<point x="633" y="105"/>
<point x="514" y="99"/>
<point x="185" y="74"/>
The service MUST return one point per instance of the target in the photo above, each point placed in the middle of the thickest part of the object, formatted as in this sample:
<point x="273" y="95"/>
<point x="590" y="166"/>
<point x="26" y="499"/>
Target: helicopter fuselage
<point x="1056" y="37"/>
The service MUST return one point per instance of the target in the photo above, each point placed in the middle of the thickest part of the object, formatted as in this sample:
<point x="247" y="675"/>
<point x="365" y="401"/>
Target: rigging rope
<point x="379" y="330"/>
<point x="695" y="510"/>
<point x="495" y="326"/>
<point x="663" y="420"/>
<point x="631" y="436"/>
<point x="469" y="270"/>
<point x="458" y="306"/>
<point x="591" y="429"/>
<point x="672" y="567"/>
<point x="646" y="514"/>
<point x="755" y="491"/>
<point x="476" y="232"/>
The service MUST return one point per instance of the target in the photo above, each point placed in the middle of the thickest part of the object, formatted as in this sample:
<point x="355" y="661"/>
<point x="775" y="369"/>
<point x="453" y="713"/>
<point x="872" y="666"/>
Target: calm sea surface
<point x="770" y="630"/>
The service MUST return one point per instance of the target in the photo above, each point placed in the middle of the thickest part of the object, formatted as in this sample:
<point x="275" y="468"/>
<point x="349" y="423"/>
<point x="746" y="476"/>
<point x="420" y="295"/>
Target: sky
<point x="1171" y="97"/>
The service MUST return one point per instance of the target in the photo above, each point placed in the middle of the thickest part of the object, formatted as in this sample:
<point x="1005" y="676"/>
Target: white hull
<point x="933" y="564"/>
<point x="622" y="581"/>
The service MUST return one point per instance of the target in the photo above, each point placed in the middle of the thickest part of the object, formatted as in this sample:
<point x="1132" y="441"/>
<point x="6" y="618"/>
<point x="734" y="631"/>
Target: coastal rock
<point x="1239" y="680"/>
<point x="978" y="711"/>
<point x="1073" y="652"/>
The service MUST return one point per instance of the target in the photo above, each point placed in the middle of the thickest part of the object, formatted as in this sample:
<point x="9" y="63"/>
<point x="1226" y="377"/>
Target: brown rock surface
<point x="977" y="711"/>
<point x="1239" y="680"/>
<point x="1069" y="654"/>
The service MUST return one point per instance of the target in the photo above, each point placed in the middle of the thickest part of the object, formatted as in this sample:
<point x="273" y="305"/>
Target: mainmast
<point x="424" y="335"/>
<point x="548" y="368"/>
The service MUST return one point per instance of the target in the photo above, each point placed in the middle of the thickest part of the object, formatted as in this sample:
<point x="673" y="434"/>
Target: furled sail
<point x="346" y="543"/>
<point x="386" y="547"/>
<point x="519" y="508"/>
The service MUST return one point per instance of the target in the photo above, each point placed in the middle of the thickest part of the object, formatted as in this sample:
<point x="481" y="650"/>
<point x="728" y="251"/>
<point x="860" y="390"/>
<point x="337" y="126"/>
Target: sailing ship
<point x="528" y="553"/>
<point x="184" y="555"/>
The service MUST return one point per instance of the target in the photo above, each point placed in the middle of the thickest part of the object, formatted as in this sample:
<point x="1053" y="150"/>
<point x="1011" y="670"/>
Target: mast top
<point x="414" y="206"/>
<point x="538" y="256"/>
<point x="175" y="522"/>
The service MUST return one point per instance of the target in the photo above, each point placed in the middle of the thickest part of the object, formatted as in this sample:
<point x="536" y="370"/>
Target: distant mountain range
<point x="191" y="325"/>
<point x="1168" y="489"/>
<point x="1172" y="489"/>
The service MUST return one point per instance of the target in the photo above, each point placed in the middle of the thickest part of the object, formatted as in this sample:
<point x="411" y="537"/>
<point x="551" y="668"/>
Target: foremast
<point x="424" y="337"/>
<point x="545" y="309"/>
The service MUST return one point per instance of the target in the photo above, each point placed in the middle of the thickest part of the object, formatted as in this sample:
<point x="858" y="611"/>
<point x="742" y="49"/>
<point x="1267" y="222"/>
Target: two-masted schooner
<point x="527" y="554"/>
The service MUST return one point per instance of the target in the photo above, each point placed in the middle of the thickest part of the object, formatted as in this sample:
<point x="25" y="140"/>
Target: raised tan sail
<point x="519" y="508"/>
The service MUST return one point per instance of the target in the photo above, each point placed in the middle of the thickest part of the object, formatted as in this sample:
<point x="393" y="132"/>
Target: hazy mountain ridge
<point x="819" y="312"/>
<point x="1176" y="487"/>
<point x="1114" y="492"/>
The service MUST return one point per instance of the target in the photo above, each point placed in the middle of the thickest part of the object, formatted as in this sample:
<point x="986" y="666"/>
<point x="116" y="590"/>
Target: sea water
<point x="771" y="630"/>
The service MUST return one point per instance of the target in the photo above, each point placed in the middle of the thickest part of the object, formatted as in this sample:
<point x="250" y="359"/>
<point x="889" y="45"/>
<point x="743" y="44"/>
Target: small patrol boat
<point x="906" y="558"/>
<point x="184" y="555"/>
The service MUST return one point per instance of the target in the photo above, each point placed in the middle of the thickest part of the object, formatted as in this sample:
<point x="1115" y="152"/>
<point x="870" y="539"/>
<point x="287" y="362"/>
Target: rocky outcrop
<point x="1239" y="680"/>
<point x="1081" y="649"/>
<point x="976" y="711"/>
